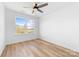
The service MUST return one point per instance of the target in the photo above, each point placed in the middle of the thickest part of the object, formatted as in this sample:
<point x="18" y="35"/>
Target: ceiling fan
<point x="36" y="6"/>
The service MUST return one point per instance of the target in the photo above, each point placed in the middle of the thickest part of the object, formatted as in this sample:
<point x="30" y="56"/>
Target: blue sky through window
<point x="20" y="21"/>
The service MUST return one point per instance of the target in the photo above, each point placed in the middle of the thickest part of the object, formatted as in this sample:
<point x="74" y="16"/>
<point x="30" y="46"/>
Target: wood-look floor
<point x="37" y="48"/>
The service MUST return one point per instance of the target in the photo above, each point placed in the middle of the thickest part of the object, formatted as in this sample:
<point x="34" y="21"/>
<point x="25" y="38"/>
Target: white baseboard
<point x="58" y="43"/>
<point x="2" y="49"/>
<point x="13" y="42"/>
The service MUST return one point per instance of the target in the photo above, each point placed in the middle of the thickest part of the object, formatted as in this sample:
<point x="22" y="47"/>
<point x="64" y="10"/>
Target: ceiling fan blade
<point x="45" y="4"/>
<point x="40" y="10"/>
<point x="33" y="11"/>
<point x="28" y="7"/>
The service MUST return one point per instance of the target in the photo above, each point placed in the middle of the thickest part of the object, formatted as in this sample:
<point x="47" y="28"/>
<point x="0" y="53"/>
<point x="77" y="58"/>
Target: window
<point x="24" y="26"/>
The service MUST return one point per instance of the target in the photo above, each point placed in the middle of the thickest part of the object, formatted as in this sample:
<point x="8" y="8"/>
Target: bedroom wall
<point x="2" y="28"/>
<point x="11" y="36"/>
<point x="61" y="25"/>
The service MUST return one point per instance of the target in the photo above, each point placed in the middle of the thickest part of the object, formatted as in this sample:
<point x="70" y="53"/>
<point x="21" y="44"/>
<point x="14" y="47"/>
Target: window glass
<point x="24" y="26"/>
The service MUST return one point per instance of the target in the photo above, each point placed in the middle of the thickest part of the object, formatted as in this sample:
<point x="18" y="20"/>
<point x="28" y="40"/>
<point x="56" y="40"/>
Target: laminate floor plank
<point x="37" y="48"/>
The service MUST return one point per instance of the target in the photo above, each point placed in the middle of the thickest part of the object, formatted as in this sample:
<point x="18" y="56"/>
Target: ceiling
<point x="19" y="7"/>
<point x="51" y="8"/>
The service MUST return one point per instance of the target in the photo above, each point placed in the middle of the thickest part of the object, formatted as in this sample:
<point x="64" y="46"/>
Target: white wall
<point x="2" y="30"/>
<point x="11" y="36"/>
<point x="61" y="25"/>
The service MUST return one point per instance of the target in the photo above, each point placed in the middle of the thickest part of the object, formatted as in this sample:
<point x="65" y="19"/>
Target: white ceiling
<point x="19" y="7"/>
<point x="52" y="6"/>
